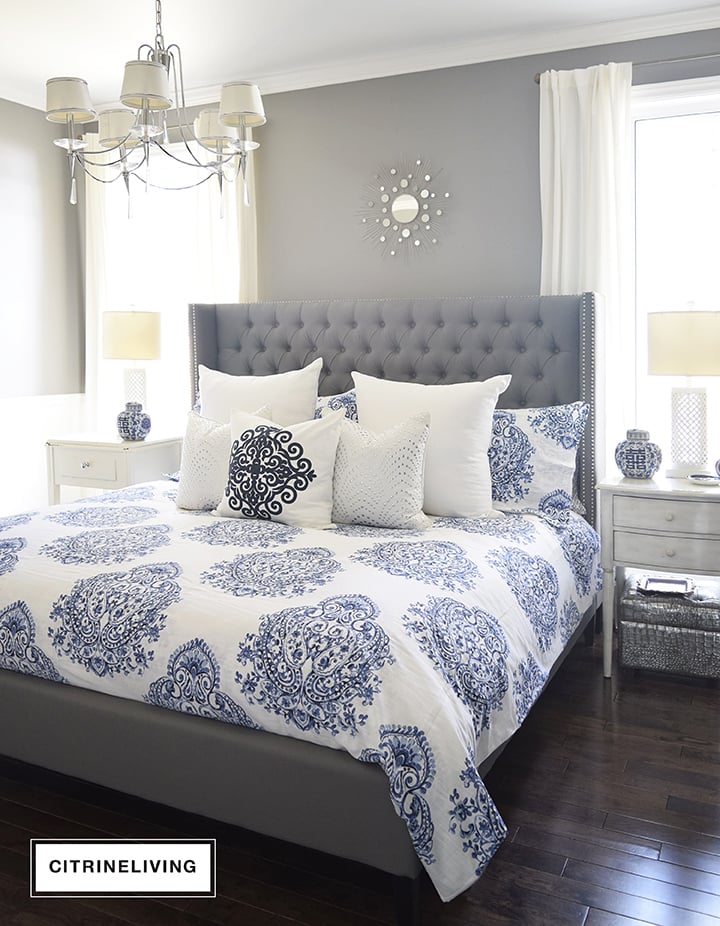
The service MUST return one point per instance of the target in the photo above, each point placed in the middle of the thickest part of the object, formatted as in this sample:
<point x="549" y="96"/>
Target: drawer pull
<point x="669" y="516"/>
<point x="86" y="464"/>
<point x="669" y="553"/>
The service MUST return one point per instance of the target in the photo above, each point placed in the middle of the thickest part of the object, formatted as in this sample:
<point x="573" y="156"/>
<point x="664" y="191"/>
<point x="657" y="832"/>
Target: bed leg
<point x="407" y="901"/>
<point x="591" y="630"/>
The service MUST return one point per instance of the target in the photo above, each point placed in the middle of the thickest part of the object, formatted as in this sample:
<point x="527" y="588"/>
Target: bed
<point x="123" y="716"/>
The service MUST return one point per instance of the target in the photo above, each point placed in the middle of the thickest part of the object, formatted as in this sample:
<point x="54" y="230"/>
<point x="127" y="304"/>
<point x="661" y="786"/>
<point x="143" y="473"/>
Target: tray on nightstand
<point x="671" y="633"/>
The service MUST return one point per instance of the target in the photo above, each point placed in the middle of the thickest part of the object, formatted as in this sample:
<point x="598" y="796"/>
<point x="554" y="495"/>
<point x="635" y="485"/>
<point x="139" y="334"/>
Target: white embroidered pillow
<point x="281" y="473"/>
<point x="457" y="472"/>
<point x="292" y="395"/>
<point x="379" y="477"/>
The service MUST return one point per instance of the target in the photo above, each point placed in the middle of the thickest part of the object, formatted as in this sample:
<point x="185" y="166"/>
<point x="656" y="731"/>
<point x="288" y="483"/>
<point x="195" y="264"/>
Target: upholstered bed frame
<point x="283" y="787"/>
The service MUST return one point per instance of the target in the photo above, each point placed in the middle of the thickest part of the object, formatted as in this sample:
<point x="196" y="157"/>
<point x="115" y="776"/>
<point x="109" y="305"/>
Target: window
<point x="173" y="249"/>
<point x="677" y="230"/>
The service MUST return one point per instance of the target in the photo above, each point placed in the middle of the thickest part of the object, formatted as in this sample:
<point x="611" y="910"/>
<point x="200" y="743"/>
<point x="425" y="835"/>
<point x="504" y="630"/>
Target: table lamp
<point x="132" y="336"/>
<point x="686" y="343"/>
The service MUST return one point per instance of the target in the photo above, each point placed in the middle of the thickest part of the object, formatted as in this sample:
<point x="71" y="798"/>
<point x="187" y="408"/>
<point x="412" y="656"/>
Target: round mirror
<point x="404" y="208"/>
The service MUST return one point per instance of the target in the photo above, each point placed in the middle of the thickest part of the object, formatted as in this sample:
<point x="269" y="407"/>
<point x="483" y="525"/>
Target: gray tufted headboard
<point x="545" y="342"/>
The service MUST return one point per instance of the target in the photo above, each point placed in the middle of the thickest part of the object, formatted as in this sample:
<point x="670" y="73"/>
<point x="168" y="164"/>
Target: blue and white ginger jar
<point x="133" y="423"/>
<point x="637" y="457"/>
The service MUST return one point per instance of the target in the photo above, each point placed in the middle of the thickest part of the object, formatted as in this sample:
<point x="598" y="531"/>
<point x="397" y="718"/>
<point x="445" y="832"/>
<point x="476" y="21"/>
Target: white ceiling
<point x="287" y="44"/>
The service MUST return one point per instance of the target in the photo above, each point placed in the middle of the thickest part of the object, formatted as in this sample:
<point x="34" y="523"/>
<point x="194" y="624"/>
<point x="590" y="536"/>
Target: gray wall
<point x="41" y="298"/>
<point x="477" y="124"/>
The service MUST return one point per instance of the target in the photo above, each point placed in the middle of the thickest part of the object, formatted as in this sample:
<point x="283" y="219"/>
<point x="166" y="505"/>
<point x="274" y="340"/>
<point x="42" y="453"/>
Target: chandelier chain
<point x="159" y="38"/>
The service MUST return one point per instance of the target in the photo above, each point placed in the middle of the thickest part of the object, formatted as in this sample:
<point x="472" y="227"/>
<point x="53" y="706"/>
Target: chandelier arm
<point x="211" y="168"/>
<point x="172" y="189"/>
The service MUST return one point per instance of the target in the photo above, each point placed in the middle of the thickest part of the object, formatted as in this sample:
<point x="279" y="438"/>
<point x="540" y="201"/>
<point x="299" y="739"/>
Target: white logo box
<point x="122" y="867"/>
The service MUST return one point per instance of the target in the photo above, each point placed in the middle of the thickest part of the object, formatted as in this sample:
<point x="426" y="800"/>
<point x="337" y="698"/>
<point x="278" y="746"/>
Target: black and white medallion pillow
<point x="281" y="473"/>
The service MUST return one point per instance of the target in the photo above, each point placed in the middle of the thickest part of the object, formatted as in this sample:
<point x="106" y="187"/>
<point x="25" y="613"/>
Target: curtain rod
<point x="643" y="64"/>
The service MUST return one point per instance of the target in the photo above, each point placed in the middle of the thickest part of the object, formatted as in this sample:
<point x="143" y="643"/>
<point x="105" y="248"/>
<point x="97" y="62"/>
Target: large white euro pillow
<point x="292" y="395"/>
<point x="457" y="471"/>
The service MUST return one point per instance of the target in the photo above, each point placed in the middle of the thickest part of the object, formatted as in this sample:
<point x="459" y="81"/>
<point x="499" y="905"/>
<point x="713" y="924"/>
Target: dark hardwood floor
<point x="611" y="793"/>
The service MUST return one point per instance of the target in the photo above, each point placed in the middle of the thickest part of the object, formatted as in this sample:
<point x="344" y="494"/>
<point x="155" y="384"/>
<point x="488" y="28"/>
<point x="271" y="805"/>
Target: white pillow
<point x="292" y="395"/>
<point x="379" y="477"/>
<point x="457" y="471"/>
<point x="204" y="462"/>
<point x="282" y="474"/>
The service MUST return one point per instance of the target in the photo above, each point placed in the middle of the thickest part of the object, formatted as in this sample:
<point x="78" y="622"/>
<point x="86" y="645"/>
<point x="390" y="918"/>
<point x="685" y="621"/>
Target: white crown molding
<point x="463" y="53"/>
<point x="460" y="54"/>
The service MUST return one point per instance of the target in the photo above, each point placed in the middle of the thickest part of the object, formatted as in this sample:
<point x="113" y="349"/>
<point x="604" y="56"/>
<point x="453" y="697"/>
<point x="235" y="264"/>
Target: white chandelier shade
<point x="68" y="98"/>
<point x="148" y="95"/>
<point x="241" y="105"/>
<point x="146" y="84"/>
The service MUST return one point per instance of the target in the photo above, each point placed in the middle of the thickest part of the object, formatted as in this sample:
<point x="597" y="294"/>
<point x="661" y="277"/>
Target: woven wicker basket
<point x="671" y="633"/>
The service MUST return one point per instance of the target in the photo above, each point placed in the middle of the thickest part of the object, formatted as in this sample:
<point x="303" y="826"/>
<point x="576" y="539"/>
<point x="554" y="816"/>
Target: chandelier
<point x="216" y="143"/>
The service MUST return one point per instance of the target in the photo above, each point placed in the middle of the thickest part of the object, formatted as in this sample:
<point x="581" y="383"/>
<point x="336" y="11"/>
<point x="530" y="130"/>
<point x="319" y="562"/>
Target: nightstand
<point x="670" y="525"/>
<point x="108" y="462"/>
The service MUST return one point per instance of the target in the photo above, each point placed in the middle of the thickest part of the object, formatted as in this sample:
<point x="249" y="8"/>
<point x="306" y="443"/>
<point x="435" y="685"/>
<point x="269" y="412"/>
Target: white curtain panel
<point x="175" y="247"/>
<point x="586" y="191"/>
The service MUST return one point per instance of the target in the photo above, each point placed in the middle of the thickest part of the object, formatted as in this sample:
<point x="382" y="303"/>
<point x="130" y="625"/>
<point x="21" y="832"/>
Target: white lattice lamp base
<point x="135" y="385"/>
<point x="689" y="431"/>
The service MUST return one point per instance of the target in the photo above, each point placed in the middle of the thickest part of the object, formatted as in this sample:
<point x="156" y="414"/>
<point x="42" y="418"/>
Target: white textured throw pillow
<point x="292" y="395"/>
<point x="204" y="462"/>
<point x="457" y="471"/>
<point x="282" y="473"/>
<point x="379" y="477"/>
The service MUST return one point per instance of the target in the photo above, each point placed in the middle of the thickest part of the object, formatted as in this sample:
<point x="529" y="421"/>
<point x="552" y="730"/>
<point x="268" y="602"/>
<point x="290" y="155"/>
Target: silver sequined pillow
<point x="379" y="478"/>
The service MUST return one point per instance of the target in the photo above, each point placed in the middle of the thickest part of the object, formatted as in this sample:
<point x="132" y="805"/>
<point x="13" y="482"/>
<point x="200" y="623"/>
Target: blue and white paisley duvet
<point x="418" y="650"/>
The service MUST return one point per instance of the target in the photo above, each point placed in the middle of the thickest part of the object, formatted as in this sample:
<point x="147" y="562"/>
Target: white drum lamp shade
<point x="145" y="84"/>
<point x="114" y="127"/>
<point x="131" y="335"/>
<point x="241" y="104"/>
<point x="68" y="98"/>
<point x="210" y="131"/>
<point x="686" y="344"/>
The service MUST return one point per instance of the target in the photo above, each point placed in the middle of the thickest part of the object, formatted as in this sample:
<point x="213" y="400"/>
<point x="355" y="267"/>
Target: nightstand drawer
<point x="666" y="552"/>
<point x="664" y="514"/>
<point x="77" y="463"/>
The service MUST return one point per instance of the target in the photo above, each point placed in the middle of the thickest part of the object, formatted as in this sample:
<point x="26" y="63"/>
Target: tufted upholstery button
<point x="413" y="375"/>
<point x="522" y="403"/>
<point x="353" y="325"/>
<point x="381" y="324"/>
<point x="412" y="324"/>
<point x="488" y="350"/>
<point x="538" y="377"/>
<point x="301" y="324"/>
<point x="276" y="324"/>
<point x="443" y="375"/>
<point x="539" y="323"/>
<point x="556" y="350"/>
<point x="441" y="324"/>
<point x="506" y="323"/>
<point x="426" y="349"/>
<point x="473" y="323"/>
<point x="341" y="350"/>
<point x="473" y="375"/>
<point x="522" y="350"/>
<point x="458" y="349"/>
